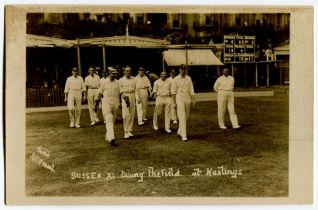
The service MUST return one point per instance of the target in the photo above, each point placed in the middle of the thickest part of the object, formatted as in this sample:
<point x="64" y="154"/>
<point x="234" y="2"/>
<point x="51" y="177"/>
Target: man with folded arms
<point x="128" y="91"/>
<point x="162" y="94"/>
<point x="143" y="89"/>
<point x="224" y="86"/>
<point x="74" y="87"/>
<point x="92" y="84"/>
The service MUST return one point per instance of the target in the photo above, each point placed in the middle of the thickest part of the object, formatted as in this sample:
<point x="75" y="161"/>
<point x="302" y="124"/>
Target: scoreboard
<point x="239" y="49"/>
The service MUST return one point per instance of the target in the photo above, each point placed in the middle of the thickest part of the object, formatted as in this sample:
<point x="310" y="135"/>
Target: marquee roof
<point x="122" y="41"/>
<point x="196" y="57"/>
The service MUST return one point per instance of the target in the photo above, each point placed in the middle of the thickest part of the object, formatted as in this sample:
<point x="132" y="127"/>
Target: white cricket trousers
<point x="74" y="105"/>
<point x="226" y="99"/>
<point x="128" y="113"/>
<point x="162" y="103"/>
<point x="109" y="110"/>
<point x="142" y="107"/>
<point x="91" y="96"/>
<point x="173" y="110"/>
<point x="183" y="101"/>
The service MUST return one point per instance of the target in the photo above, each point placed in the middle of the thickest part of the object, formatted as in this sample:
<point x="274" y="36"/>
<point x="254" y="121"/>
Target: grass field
<point x="259" y="151"/>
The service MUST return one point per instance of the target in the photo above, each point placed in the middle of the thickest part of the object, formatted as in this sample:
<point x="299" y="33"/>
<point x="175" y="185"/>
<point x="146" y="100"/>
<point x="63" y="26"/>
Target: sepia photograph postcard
<point x="158" y="105"/>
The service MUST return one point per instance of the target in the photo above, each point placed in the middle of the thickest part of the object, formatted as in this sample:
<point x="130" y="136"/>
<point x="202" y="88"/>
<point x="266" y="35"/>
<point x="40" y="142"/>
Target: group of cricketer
<point x="174" y="97"/>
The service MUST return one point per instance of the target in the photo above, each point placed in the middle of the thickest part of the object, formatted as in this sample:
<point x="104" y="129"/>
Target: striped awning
<point x="282" y="50"/>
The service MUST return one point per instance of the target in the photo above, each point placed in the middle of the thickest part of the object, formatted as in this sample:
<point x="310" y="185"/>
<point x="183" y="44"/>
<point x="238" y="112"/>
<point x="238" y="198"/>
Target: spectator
<point x="54" y="85"/>
<point x="45" y="93"/>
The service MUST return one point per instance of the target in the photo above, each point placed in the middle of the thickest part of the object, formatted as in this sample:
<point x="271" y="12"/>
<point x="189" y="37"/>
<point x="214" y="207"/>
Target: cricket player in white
<point x="128" y="90"/>
<point x="183" y="92"/>
<point x="224" y="86"/>
<point x="105" y="75"/>
<point x="92" y="84"/>
<point x="74" y="87"/>
<point x="173" y="110"/>
<point x="110" y="89"/>
<point x="143" y="89"/>
<point x="162" y="94"/>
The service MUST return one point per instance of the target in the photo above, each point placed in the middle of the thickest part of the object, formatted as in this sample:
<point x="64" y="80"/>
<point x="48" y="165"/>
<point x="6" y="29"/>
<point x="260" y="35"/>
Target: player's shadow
<point x="215" y="131"/>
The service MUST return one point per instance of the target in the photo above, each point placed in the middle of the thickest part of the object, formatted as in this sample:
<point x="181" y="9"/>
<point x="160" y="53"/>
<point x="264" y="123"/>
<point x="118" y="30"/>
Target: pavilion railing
<point x="44" y="97"/>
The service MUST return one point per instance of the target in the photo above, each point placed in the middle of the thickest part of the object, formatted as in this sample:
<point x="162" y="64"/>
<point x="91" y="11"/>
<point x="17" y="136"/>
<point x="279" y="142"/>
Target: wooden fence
<point x="44" y="97"/>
